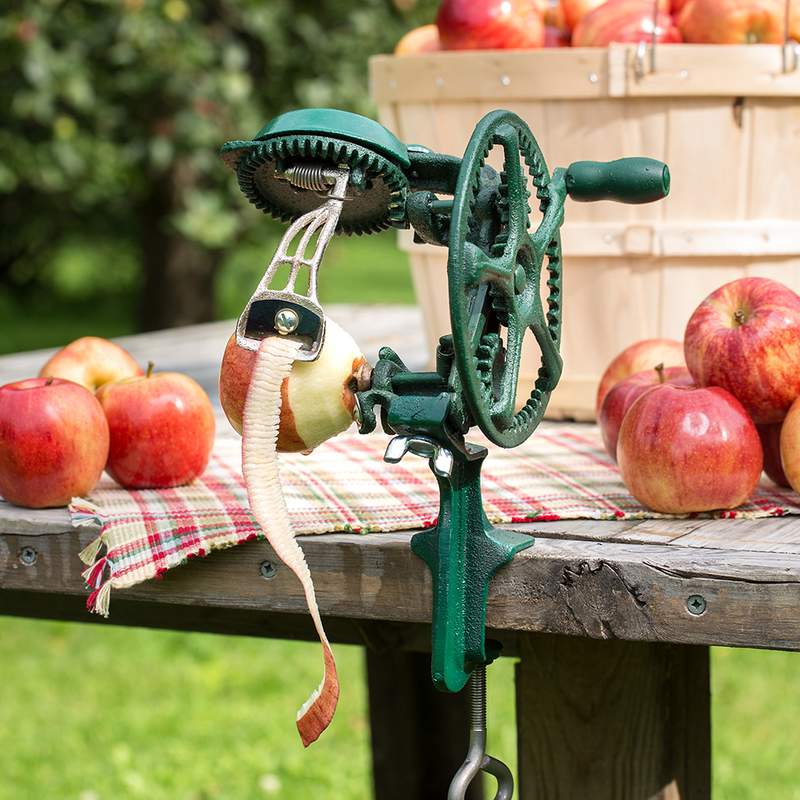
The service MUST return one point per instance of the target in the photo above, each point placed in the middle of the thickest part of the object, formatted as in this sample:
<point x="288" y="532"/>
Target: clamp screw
<point x="286" y="321"/>
<point x="268" y="570"/>
<point x="28" y="556"/>
<point x="696" y="605"/>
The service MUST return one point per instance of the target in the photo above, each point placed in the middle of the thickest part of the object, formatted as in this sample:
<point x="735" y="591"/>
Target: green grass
<point x="93" y="712"/>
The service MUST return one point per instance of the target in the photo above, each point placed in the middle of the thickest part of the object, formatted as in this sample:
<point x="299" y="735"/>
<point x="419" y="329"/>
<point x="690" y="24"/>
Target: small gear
<point x="376" y="193"/>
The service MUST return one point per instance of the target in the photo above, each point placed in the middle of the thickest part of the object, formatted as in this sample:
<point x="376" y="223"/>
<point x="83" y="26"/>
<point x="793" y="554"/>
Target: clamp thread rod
<point x="477" y="691"/>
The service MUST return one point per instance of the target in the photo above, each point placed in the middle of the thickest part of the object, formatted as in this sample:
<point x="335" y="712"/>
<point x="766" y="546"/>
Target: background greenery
<point x="117" y="216"/>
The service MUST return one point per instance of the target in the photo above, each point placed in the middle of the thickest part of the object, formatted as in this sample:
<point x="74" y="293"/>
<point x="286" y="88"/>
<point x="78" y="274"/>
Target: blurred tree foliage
<point x="112" y="112"/>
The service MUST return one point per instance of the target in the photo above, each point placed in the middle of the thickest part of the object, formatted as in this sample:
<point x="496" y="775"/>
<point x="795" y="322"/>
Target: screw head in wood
<point x="696" y="605"/>
<point x="268" y="570"/>
<point x="28" y="556"/>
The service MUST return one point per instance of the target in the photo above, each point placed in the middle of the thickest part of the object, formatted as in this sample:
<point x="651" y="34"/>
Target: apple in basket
<point x="53" y="442"/>
<point x="684" y="449"/>
<point x="732" y="21"/>
<point x="490" y="24"/>
<point x="317" y="398"/>
<point x="623" y="395"/>
<point x="745" y="337"/>
<point x="642" y="355"/>
<point x="625" y="21"/>
<point x="571" y="12"/>
<point x="91" y="362"/>
<point x="161" y="430"/>
<point x="424" y="39"/>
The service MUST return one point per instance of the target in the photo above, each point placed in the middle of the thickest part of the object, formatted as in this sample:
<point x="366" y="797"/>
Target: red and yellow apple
<point x="732" y="21"/>
<point x="642" y="355"/>
<point x="571" y="12"/>
<point x="161" y="430"/>
<point x="683" y="450"/>
<point x="624" y="21"/>
<point x="91" y="362"/>
<point x="424" y="39"/>
<point x="745" y="337"/>
<point x="790" y="447"/>
<point x="771" y="445"/>
<point x="623" y="395"/>
<point x="53" y="442"/>
<point x="317" y="398"/>
<point x="490" y="24"/>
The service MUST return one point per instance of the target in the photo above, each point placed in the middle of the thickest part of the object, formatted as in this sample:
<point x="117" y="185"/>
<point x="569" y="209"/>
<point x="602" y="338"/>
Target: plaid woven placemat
<point x="561" y="472"/>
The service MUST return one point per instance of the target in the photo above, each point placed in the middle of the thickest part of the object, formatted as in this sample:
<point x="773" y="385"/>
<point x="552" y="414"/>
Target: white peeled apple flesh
<point x="317" y="397"/>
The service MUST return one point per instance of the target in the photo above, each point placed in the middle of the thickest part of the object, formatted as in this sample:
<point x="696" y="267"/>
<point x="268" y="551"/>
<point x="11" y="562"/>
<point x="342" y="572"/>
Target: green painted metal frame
<point x="495" y="268"/>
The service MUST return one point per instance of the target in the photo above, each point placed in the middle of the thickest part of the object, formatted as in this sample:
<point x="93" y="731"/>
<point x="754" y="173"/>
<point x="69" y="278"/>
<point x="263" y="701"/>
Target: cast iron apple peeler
<point x="330" y="171"/>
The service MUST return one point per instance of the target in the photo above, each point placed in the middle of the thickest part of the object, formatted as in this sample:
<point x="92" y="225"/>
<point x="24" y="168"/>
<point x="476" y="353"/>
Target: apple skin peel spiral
<point x="273" y="380"/>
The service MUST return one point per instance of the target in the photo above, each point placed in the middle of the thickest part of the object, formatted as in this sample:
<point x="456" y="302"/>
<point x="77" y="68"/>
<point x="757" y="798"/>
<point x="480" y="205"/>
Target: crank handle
<point x="626" y="180"/>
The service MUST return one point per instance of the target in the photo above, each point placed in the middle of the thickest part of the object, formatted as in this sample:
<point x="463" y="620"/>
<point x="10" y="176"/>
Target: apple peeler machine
<point x="328" y="171"/>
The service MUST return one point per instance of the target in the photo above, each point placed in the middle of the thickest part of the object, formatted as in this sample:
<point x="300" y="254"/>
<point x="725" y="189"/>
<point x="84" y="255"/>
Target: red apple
<point x="573" y="11"/>
<point x="91" y="362"/>
<point x="555" y="37"/>
<point x="318" y="397"/>
<point x="623" y="395"/>
<point x="424" y="39"/>
<point x="683" y="450"/>
<point x="771" y="445"/>
<point x="642" y="355"/>
<point x="790" y="447"/>
<point x="490" y="24"/>
<point x="53" y="442"/>
<point x="162" y="430"/>
<point x="624" y="21"/>
<point x="732" y="21"/>
<point x="745" y="337"/>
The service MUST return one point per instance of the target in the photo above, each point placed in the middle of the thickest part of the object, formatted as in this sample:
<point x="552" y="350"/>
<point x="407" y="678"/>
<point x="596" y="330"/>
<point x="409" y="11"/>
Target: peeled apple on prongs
<point x="317" y="397"/>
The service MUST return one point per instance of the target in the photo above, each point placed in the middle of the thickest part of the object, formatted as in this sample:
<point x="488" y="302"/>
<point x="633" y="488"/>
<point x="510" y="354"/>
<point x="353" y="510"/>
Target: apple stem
<point x="660" y="372"/>
<point x="48" y="382"/>
<point x="739" y="316"/>
<point x="150" y="366"/>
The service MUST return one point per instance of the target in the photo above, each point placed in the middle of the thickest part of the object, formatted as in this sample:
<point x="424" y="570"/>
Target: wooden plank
<point x="419" y="736"/>
<point x="612" y="720"/>
<point x="755" y="535"/>
<point x="585" y="588"/>
<point x="499" y="76"/>
<point x="582" y="73"/>
<point x="379" y="635"/>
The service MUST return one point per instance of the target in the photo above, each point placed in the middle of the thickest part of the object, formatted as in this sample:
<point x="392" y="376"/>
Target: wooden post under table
<point x="612" y="720"/>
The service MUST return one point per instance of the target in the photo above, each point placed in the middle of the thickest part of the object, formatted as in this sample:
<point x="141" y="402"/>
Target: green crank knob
<point x="626" y="180"/>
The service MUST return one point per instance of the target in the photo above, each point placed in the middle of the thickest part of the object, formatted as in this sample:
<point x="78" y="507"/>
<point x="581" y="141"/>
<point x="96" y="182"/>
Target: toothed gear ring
<point x="376" y="191"/>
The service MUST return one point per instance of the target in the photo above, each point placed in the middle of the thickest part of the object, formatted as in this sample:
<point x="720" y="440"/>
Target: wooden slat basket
<point x="725" y="118"/>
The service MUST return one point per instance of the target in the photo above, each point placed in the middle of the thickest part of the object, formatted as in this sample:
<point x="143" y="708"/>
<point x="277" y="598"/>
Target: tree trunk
<point x="178" y="286"/>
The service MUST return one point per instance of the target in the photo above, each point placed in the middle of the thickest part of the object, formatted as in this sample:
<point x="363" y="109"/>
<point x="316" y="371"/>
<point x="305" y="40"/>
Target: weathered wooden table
<point x="611" y="621"/>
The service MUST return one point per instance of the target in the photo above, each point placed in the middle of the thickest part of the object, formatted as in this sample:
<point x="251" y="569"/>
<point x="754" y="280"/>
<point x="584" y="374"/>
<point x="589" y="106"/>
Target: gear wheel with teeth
<point x="508" y="271"/>
<point x="376" y="193"/>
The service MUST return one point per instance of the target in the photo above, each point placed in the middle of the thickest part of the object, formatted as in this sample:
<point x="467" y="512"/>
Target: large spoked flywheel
<point x="495" y="281"/>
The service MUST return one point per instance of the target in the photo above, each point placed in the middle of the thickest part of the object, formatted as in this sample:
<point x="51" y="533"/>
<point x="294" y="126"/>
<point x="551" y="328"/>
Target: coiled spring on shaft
<point x="309" y="176"/>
